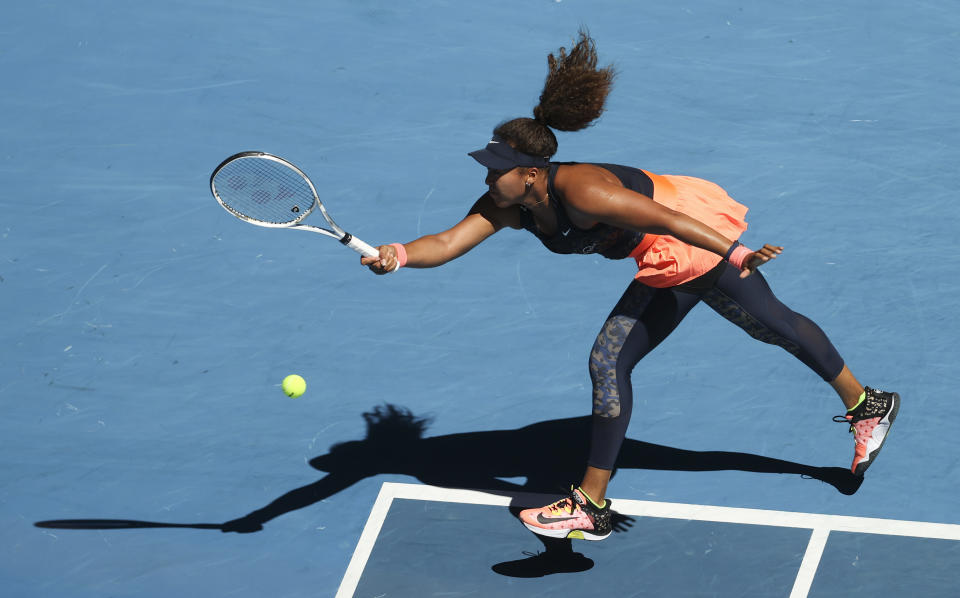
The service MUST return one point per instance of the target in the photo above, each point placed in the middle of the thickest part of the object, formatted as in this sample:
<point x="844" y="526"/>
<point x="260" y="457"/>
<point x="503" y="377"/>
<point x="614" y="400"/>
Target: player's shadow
<point x="546" y="455"/>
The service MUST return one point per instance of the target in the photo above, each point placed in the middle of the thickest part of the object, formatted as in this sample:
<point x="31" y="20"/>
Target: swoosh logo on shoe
<point x="542" y="519"/>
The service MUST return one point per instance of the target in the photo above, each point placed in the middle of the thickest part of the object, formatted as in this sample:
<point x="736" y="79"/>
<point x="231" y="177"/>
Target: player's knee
<point x="607" y="407"/>
<point x="604" y="366"/>
<point x="606" y="390"/>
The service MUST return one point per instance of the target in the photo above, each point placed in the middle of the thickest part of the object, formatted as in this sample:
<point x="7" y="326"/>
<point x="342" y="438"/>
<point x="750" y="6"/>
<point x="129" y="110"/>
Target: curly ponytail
<point x="574" y="95"/>
<point x="575" y="90"/>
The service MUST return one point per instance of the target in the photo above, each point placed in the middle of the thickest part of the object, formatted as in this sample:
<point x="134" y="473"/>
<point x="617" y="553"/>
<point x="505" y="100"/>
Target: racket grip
<point x="359" y="246"/>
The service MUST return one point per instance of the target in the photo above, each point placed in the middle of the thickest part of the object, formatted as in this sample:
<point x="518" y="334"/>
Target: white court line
<point x="367" y="539"/>
<point x="821" y="525"/>
<point x="811" y="560"/>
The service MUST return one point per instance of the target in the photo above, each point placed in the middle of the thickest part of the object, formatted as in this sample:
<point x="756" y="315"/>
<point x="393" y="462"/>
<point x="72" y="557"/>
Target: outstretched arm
<point x="430" y="251"/>
<point x="602" y="200"/>
<point x="291" y="501"/>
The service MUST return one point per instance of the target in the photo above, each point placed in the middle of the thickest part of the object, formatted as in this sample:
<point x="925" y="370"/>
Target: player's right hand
<point x="386" y="263"/>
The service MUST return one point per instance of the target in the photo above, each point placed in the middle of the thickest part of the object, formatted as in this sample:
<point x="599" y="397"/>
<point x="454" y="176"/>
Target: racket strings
<point x="263" y="190"/>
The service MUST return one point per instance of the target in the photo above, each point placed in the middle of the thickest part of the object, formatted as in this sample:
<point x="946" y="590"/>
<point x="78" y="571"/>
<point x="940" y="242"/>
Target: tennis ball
<point x="294" y="386"/>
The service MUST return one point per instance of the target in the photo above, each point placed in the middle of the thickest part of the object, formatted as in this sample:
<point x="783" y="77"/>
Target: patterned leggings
<point x="645" y="316"/>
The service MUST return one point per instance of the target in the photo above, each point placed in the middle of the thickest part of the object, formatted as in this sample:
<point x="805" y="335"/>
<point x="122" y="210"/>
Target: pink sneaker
<point x="572" y="517"/>
<point x="870" y="423"/>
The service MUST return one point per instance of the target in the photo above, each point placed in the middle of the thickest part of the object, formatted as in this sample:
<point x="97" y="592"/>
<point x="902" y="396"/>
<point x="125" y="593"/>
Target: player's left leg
<point x="750" y="304"/>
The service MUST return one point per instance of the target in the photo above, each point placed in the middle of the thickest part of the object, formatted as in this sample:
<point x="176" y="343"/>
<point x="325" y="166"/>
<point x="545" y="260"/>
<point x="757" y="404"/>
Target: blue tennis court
<point x="671" y="549"/>
<point x="148" y="449"/>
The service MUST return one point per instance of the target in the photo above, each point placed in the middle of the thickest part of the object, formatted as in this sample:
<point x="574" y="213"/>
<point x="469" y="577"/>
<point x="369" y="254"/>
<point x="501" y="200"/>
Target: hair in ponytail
<point x="574" y="95"/>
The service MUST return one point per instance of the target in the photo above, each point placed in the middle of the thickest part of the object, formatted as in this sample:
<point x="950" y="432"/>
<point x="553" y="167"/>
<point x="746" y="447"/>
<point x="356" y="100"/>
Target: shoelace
<point x="868" y="406"/>
<point x="845" y="419"/>
<point x="570" y="504"/>
<point x="561" y="505"/>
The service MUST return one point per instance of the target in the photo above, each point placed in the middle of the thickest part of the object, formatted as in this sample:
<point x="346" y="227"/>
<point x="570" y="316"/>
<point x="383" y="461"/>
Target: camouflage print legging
<point x="645" y="316"/>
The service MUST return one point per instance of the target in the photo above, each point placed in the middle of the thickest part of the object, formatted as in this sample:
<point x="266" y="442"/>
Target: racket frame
<point x="334" y="232"/>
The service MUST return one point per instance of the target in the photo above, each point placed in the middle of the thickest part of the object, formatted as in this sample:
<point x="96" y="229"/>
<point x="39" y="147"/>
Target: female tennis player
<point x="681" y="231"/>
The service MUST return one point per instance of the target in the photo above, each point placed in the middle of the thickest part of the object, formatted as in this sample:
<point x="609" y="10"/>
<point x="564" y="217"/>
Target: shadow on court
<point x="547" y="454"/>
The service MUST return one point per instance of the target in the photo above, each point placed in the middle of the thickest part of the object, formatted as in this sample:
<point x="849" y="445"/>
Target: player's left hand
<point x="758" y="258"/>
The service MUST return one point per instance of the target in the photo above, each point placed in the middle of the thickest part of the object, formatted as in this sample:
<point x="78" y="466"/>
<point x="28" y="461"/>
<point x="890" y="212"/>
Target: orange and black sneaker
<point x="870" y="423"/>
<point x="576" y="516"/>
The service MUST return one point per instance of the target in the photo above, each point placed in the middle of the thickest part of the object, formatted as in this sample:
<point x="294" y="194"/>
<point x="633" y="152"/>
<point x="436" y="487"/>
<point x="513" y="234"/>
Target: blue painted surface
<point x="146" y="332"/>
<point x="445" y="549"/>
<point x="887" y="566"/>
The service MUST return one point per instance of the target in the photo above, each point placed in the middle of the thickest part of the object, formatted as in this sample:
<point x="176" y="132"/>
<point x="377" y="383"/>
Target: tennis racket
<point x="267" y="190"/>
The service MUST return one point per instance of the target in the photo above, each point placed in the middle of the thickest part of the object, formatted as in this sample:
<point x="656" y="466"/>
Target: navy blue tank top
<point x="609" y="241"/>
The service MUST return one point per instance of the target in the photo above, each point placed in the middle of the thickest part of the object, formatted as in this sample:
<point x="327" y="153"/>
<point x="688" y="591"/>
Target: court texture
<point x="147" y="449"/>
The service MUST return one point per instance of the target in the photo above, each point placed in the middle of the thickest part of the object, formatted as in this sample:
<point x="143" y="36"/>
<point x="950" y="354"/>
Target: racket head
<point x="263" y="189"/>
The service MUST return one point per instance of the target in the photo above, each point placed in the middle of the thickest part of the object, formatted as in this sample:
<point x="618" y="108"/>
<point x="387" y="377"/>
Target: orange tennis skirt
<point x="662" y="260"/>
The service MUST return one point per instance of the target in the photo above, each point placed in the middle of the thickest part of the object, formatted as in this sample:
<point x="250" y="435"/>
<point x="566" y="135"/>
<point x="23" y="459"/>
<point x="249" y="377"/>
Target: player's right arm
<point x="430" y="251"/>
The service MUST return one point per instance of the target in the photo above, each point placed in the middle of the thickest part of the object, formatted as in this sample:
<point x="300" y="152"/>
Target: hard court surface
<point x="147" y="449"/>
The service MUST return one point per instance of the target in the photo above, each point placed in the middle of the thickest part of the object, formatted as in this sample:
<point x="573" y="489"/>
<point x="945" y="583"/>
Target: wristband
<point x="739" y="255"/>
<point x="726" y="256"/>
<point x="401" y="254"/>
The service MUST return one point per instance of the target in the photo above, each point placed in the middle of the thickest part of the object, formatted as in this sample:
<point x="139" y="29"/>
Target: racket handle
<point x="359" y="246"/>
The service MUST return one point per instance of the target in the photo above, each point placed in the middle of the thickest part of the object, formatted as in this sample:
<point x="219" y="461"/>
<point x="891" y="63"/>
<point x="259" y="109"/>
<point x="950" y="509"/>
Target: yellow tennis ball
<point x="294" y="386"/>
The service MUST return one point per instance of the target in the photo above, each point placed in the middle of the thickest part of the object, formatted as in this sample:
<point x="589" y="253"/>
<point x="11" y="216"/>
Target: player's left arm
<point x="604" y="201"/>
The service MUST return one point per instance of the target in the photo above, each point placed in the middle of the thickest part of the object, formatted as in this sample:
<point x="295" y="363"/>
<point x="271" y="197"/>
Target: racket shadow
<point x="545" y="454"/>
<point x="102" y="524"/>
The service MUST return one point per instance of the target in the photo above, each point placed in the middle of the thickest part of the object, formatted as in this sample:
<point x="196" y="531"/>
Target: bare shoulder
<point x="511" y="217"/>
<point x="580" y="185"/>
